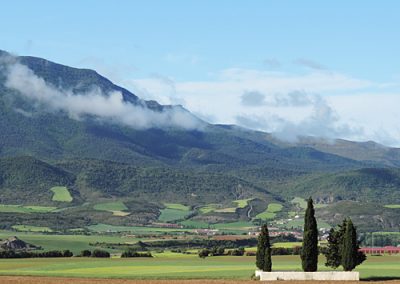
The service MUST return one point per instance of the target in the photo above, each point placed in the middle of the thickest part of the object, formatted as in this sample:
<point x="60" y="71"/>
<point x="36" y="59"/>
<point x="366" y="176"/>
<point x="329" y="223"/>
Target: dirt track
<point x="54" y="280"/>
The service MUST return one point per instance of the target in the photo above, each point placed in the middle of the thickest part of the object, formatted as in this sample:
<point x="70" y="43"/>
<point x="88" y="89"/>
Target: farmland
<point x="173" y="212"/>
<point x="5" y="208"/>
<point x="178" y="266"/>
<point x="61" y="194"/>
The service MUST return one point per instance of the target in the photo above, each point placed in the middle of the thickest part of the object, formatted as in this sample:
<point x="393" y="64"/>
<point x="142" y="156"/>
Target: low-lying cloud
<point x="95" y="103"/>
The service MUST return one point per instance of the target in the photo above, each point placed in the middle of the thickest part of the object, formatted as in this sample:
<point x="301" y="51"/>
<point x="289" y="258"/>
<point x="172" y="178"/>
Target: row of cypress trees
<point x="343" y="246"/>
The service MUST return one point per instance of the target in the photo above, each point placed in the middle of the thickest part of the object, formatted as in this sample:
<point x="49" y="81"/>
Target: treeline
<point x="33" y="254"/>
<point x="180" y="244"/>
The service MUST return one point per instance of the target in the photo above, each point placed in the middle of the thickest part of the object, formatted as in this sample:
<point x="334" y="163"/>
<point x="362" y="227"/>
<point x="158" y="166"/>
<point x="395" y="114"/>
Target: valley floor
<point x="174" y="266"/>
<point x="51" y="280"/>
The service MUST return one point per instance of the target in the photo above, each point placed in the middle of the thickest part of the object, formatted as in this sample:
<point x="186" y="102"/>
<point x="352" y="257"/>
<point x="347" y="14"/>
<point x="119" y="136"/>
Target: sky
<point x="320" y="68"/>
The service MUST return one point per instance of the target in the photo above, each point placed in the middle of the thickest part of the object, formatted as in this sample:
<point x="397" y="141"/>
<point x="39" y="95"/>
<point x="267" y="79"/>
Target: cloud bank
<point x="288" y="105"/>
<point x="95" y="103"/>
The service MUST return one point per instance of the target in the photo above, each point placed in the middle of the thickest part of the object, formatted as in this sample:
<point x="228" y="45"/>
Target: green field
<point x="177" y="206"/>
<point x="270" y="212"/>
<point x="178" y="266"/>
<point x="25" y="209"/>
<point x="104" y="228"/>
<point x="75" y="243"/>
<point x="242" y="203"/>
<point x="393" y="206"/>
<point x="173" y="212"/>
<point x="27" y="228"/>
<point x="61" y="194"/>
<point x="240" y="225"/>
<point x="118" y="208"/>
<point x="194" y="224"/>
<point x="208" y="208"/>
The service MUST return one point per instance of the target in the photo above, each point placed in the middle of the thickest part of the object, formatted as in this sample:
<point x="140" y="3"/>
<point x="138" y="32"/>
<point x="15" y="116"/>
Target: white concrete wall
<point x="295" y="275"/>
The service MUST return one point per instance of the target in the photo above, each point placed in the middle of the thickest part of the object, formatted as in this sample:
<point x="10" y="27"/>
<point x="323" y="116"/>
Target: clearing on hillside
<point x="61" y="194"/>
<point x="116" y="207"/>
<point x="270" y="212"/>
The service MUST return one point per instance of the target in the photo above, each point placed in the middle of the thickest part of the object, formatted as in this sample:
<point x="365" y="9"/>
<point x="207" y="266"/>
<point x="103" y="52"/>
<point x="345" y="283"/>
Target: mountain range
<point x="70" y="127"/>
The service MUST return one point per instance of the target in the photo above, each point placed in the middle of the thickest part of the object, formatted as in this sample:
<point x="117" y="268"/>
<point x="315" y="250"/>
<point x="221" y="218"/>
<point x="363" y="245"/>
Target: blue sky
<point x="339" y="57"/>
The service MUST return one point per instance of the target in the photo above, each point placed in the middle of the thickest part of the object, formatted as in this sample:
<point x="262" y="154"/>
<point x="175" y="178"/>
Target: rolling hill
<point x="55" y="138"/>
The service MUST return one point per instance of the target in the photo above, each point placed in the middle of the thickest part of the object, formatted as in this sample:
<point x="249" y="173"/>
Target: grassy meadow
<point x="61" y="194"/>
<point x="178" y="266"/>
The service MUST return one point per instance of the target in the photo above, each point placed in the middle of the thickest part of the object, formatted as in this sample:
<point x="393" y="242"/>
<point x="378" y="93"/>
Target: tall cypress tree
<point x="351" y="256"/>
<point x="309" y="252"/>
<point x="263" y="256"/>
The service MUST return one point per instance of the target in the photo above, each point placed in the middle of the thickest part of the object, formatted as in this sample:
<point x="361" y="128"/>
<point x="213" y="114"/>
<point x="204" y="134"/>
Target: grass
<point x="115" y="207"/>
<point x="178" y="266"/>
<point x="168" y="215"/>
<point x="173" y="212"/>
<point x="270" y="212"/>
<point x="61" y="194"/>
<point x="301" y="202"/>
<point x="75" y="243"/>
<point x="26" y="209"/>
<point x="240" y="225"/>
<point x="177" y="206"/>
<point x="208" y="208"/>
<point x="194" y="224"/>
<point x="103" y="228"/>
<point x="27" y="228"/>
<point x="242" y="203"/>
<point x="393" y="206"/>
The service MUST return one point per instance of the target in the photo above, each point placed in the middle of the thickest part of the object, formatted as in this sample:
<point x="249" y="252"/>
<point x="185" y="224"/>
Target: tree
<point x="263" y="256"/>
<point x="343" y="247"/>
<point x="204" y="253"/>
<point x="351" y="256"/>
<point x="309" y="252"/>
<point x="333" y="252"/>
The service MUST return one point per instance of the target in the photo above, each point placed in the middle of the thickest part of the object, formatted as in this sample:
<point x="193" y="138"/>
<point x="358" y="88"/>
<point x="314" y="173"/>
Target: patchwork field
<point x="178" y="266"/>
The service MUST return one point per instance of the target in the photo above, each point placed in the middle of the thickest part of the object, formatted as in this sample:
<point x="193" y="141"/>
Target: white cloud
<point x="316" y="103"/>
<point x="109" y="107"/>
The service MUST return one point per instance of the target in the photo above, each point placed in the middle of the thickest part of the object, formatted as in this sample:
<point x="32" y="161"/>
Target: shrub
<point x="86" y="253"/>
<point x="100" y="253"/>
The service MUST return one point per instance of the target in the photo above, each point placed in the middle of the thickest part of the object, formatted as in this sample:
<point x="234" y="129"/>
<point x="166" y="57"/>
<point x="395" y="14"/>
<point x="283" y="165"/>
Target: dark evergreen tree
<point x="309" y="252"/>
<point x="351" y="256"/>
<point x="263" y="256"/>
<point x="333" y="252"/>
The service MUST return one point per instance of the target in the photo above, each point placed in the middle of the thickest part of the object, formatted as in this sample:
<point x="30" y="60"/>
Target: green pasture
<point x="75" y="243"/>
<point x="270" y="212"/>
<point x="111" y="206"/>
<point x="104" y="228"/>
<point x="61" y="194"/>
<point x="393" y="206"/>
<point x="177" y="206"/>
<point x="178" y="266"/>
<point x="168" y="215"/>
<point x="195" y="224"/>
<point x="242" y="203"/>
<point x="173" y="212"/>
<point x="28" y="228"/>
<point x="6" y="208"/>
